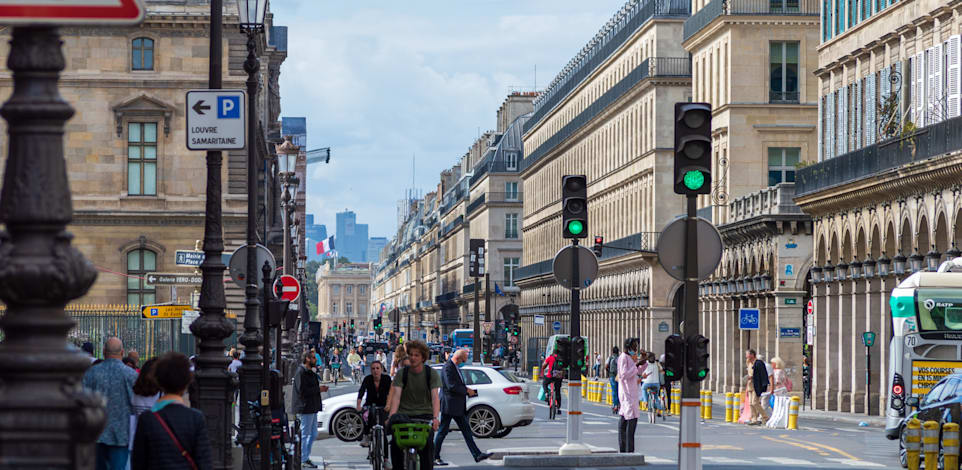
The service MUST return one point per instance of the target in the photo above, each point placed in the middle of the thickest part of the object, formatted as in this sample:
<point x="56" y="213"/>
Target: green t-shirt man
<point x="415" y="399"/>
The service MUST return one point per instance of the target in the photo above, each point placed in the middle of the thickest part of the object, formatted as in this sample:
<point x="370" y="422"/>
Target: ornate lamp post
<point x="251" y="15"/>
<point x="841" y="271"/>
<point x="884" y="265"/>
<point x="815" y="275"/>
<point x="953" y="253"/>
<point x="898" y="264"/>
<point x="932" y="259"/>
<point x="287" y="159"/>
<point x="216" y="390"/>
<point x="828" y="271"/>
<point x="47" y="419"/>
<point x="868" y="267"/>
<point x="916" y="261"/>
<point x="855" y="269"/>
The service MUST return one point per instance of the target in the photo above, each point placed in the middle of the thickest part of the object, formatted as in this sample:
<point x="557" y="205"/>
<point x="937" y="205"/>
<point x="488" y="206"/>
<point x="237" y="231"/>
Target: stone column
<point x="789" y="349"/>
<point x="857" y="350"/>
<point x="843" y="346"/>
<point x="883" y="317"/>
<point x="828" y="339"/>
<point x="873" y="323"/>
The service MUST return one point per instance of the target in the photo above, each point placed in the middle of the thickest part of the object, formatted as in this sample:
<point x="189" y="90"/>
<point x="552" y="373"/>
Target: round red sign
<point x="287" y="287"/>
<point x="810" y="307"/>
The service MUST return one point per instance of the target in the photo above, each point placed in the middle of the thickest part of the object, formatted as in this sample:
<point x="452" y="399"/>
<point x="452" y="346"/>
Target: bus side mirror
<point x="912" y="402"/>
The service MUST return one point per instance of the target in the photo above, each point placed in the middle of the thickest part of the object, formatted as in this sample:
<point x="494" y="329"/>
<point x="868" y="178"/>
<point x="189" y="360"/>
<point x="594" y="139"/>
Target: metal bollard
<point x="701" y="408"/>
<point x="584" y="390"/>
<point x="676" y="400"/>
<point x="709" y="401"/>
<point x="950" y="446"/>
<point x="534" y="373"/>
<point x="930" y="444"/>
<point x="913" y="438"/>
<point x="729" y="405"/>
<point x="793" y="413"/>
<point x="737" y="407"/>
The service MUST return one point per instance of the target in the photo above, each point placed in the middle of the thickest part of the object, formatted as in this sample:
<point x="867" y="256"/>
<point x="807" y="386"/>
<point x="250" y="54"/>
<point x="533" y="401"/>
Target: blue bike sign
<point x="748" y="318"/>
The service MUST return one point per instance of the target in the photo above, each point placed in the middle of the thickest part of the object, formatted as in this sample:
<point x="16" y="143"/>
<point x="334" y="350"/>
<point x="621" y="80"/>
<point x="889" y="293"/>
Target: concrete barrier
<point x="779" y="417"/>
<point x="950" y="446"/>
<point x="930" y="444"/>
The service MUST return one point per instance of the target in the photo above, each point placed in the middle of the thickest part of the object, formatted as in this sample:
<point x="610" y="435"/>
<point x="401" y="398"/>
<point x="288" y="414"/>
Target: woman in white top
<point x="651" y="384"/>
<point x="778" y="381"/>
<point x="146" y="394"/>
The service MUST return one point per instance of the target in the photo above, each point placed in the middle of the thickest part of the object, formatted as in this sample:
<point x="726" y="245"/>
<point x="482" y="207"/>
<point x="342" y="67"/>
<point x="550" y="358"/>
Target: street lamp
<point x="251" y="18"/>
<point x="953" y="253"/>
<point x="932" y="259"/>
<point x="916" y="261"/>
<point x="766" y="281"/>
<point x="868" y="267"/>
<point x="884" y="265"/>
<point x="898" y="264"/>
<point x="827" y="272"/>
<point x="855" y="269"/>
<point x="757" y="282"/>
<point x="815" y="274"/>
<point x="841" y="271"/>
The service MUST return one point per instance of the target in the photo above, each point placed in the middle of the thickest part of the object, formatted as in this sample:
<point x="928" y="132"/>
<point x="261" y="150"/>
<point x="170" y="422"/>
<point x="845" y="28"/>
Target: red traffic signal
<point x="599" y="244"/>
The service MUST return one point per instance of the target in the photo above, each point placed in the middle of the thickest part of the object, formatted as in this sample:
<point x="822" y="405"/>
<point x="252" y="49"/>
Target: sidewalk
<point x="807" y="414"/>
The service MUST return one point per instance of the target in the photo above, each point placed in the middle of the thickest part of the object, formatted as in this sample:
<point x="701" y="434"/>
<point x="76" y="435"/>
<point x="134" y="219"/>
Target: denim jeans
<point x="445" y="427"/>
<point x="614" y="392"/>
<point x="653" y="389"/>
<point x="308" y="434"/>
<point x="112" y="457"/>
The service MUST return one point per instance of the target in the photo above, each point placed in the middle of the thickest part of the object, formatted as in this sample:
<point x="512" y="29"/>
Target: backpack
<point x="612" y="366"/>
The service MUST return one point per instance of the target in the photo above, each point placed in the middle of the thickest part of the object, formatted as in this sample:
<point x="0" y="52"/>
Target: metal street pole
<point x="487" y="315"/>
<point x="689" y="440"/>
<point x="250" y="376"/>
<point x="573" y="444"/>
<point x="477" y="320"/>
<point x="49" y="420"/>
<point x="265" y="422"/>
<point x="216" y="391"/>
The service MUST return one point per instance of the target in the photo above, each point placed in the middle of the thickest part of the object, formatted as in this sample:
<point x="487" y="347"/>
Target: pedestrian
<point x="129" y="363"/>
<point x="172" y="435"/>
<point x="612" y="369"/>
<point x="453" y="404"/>
<point x="134" y="358"/>
<point x="651" y="384"/>
<point x="235" y="362"/>
<point x="415" y="395"/>
<point x="758" y="386"/>
<point x="630" y="370"/>
<point x="115" y="381"/>
<point x="146" y="394"/>
<point x="596" y="367"/>
<point x="779" y="382"/>
<point x="88" y="348"/>
<point x="399" y="355"/>
<point x="380" y="357"/>
<point x="307" y="403"/>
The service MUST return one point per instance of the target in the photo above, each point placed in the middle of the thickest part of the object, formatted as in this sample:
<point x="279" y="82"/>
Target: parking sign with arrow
<point x="216" y="119"/>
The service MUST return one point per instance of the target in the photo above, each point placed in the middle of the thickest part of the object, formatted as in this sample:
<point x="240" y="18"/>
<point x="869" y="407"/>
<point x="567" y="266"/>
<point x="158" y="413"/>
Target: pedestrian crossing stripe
<point x="658" y="460"/>
<point x="726" y="460"/>
<point x="857" y="463"/>
<point x="787" y="461"/>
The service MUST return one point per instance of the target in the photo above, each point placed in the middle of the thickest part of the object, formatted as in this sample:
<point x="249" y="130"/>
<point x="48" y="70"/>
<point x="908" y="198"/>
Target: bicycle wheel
<point x="377" y="454"/>
<point x="411" y="461"/>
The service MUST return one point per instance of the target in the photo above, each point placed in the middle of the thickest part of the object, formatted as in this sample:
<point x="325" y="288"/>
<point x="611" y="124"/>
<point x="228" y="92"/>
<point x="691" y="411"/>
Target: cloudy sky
<point x="381" y="81"/>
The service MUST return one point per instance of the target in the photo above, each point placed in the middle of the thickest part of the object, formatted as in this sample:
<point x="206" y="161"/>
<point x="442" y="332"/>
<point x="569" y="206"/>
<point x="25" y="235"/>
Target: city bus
<point x="926" y="343"/>
<point x="463" y="338"/>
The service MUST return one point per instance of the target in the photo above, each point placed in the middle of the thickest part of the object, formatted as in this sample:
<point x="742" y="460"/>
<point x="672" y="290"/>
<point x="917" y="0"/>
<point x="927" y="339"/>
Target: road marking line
<point x="673" y="428"/>
<point x="596" y="422"/>
<point x="856" y="463"/>
<point x="797" y="444"/>
<point x="720" y="447"/>
<point x="838" y="451"/>
<point x="786" y="461"/>
<point x="725" y="460"/>
<point x="658" y="460"/>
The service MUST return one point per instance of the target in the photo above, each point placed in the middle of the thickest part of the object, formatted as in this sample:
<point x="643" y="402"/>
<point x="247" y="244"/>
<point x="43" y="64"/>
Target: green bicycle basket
<point x="408" y="435"/>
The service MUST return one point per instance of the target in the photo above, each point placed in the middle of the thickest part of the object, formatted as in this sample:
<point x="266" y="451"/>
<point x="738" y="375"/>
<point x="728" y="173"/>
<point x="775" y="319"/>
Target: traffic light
<point x="692" y="148"/>
<point x="599" y="241"/>
<point x="476" y="262"/>
<point x="516" y="330"/>
<point x="352" y="323"/>
<point x="377" y="323"/>
<point x="697" y="358"/>
<point x="574" y="201"/>
<point x="674" y="357"/>
<point x="563" y="347"/>
<point x="335" y="327"/>
<point x="580" y="346"/>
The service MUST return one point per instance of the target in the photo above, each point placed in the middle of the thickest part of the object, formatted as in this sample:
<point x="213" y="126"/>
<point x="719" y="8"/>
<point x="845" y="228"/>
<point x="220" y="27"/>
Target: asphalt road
<point x="818" y="444"/>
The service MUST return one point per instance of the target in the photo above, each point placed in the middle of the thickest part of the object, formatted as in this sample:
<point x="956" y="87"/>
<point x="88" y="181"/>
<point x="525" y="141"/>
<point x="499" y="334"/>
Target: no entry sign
<point x="287" y="287"/>
<point x="72" y="11"/>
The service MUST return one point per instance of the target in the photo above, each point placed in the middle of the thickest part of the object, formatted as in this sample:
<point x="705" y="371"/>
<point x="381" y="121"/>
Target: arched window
<point x="142" y="54"/>
<point x="139" y="263"/>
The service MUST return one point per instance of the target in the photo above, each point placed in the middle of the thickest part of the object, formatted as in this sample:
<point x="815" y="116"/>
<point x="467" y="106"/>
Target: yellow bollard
<point x="913" y="436"/>
<point x="709" y="401"/>
<point x="793" y="413"/>
<point x="534" y="373"/>
<point x="729" y="404"/>
<point x="676" y="401"/>
<point x="584" y="391"/>
<point x="930" y="444"/>
<point x="737" y="407"/>
<point x="950" y="446"/>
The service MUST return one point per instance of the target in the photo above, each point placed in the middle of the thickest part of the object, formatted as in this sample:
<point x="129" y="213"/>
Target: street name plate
<point x="216" y="119"/>
<point x="188" y="317"/>
<point x="188" y="258"/>
<point x="173" y="279"/>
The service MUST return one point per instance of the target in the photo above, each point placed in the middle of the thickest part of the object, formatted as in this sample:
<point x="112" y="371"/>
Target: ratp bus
<point x="927" y="337"/>
<point x="463" y="338"/>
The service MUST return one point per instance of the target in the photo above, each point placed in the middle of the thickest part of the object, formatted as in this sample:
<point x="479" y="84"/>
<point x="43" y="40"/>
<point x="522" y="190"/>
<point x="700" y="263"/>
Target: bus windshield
<point x="940" y="309"/>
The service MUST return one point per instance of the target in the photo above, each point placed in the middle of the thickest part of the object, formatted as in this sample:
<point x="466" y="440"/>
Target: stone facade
<point x="128" y="86"/>
<point x="344" y="296"/>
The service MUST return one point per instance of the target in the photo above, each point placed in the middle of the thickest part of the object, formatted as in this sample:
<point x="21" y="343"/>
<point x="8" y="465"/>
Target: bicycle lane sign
<point x="748" y="318"/>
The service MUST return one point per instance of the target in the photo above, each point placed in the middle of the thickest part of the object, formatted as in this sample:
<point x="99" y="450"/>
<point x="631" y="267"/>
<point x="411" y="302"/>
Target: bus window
<point x="933" y="395"/>
<point x="939" y="309"/>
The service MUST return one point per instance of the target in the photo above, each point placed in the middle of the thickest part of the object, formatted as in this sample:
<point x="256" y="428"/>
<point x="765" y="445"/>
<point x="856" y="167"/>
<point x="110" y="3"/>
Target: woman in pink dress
<point x="629" y="379"/>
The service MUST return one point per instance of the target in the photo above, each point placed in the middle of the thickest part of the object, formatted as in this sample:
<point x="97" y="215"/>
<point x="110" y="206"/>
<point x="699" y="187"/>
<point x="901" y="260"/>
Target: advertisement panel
<point x="925" y="374"/>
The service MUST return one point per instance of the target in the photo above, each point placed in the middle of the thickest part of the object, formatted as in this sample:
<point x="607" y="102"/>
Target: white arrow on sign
<point x="216" y="119"/>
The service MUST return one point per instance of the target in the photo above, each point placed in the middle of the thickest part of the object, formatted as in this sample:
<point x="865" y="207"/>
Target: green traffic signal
<point x="669" y="373"/>
<point x="575" y="227"/>
<point x="702" y="373"/>
<point x="694" y="179"/>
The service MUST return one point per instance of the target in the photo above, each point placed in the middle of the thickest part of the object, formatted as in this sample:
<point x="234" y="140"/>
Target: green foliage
<point x="310" y="287"/>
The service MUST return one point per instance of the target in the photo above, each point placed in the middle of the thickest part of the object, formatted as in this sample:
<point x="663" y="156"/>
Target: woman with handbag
<point x="171" y="436"/>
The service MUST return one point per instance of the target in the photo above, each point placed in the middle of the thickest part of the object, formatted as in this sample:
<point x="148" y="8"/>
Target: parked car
<point x="501" y="405"/>
<point x="942" y="404"/>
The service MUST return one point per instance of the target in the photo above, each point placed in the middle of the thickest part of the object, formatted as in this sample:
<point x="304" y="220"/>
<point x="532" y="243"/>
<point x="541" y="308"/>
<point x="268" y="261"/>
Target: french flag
<point x="325" y="246"/>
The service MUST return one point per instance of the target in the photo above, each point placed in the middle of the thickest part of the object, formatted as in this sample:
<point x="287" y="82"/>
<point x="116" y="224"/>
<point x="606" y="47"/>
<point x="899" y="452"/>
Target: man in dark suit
<point x="453" y="404"/>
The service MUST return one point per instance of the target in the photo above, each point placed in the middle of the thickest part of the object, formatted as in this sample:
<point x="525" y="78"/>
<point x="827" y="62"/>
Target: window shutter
<point x="842" y="120"/>
<point x="870" y="109"/>
<point x="953" y="98"/>
<point x="918" y="89"/>
<point x="830" y="125"/>
<point x="858" y="119"/>
<point x="930" y="91"/>
<point x="939" y="103"/>
<point x="820" y="127"/>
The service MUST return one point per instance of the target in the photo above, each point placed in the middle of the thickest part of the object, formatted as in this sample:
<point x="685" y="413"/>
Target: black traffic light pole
<point x="573" y="444"/>
<point x="689" y="447"/>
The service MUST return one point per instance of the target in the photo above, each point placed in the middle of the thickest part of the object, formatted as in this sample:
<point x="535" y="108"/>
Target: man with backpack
<point x="553" y="375"/>
<point x="612" y="368"/>
<point x="415" y="395"/>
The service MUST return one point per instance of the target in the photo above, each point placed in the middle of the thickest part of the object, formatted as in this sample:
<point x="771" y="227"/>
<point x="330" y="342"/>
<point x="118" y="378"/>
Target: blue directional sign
<point x="444" y="337"/>
<point x="188" y="258"/>
<point x="748" y="318"/>
<point x="556" y="326"/>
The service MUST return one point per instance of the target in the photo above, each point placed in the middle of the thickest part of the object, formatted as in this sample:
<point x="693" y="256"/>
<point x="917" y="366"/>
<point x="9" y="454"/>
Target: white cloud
<point x="386" y="80"/>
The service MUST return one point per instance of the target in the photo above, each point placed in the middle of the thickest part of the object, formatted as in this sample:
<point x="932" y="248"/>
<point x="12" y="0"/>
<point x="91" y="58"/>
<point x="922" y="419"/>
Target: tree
<point x="310" y="288"/>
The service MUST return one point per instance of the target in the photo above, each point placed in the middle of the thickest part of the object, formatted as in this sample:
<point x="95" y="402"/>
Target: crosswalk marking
<point x="596" y="422"/>
<point x="658" y="460"/>
<point x="787" y="461"/>
<point x="856" y="463"/>
<point x="725" y="460"/>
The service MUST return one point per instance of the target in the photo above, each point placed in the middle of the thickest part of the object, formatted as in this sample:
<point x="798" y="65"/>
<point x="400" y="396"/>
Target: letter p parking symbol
<point x="228" y="107"/>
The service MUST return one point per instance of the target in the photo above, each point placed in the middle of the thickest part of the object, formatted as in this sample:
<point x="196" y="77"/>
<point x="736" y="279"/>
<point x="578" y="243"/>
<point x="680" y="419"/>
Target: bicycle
<point x="411" y="437"/>
<point x="335" y="371"/>
<point x="553" y="406"/>
<point x="356" y="374"/>
<point x="375" y="452"/>
<point x="654" y="404"/>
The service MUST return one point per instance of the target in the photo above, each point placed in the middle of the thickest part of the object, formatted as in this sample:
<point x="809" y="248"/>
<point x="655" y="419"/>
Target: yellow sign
<point x="164" y="311"/>
<point x="925" y="374"/>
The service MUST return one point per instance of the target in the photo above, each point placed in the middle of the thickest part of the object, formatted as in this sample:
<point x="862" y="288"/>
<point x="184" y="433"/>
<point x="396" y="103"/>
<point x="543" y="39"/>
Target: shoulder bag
<point x="183" y="452"/>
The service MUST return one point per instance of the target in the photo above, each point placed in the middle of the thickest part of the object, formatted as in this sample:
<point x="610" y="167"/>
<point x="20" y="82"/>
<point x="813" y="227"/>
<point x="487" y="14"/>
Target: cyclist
<point x="651" y="385"/>
<point x="335" y="365"/>
<point x="356" y="363"/>
<point x="415" y="395"/>
<point x="375" y="387"/>
<point x="552" y="375"/>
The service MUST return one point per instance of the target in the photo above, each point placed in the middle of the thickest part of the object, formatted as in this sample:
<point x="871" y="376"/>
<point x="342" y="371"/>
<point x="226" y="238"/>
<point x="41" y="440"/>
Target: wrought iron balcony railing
<point x="717" y="8"/>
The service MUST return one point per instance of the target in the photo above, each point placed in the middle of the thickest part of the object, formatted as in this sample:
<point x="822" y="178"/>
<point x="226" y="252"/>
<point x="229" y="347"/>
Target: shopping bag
<point x="541" y="395"/>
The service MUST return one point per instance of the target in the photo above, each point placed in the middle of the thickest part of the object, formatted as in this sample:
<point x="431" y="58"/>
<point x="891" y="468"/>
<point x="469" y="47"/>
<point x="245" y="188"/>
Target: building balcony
<point x="783" y="97"/>
<point x="773" y="200"/>
<point x="650" y="67"/>
<point x="928" y="142"/>
<point x="717" y="8"/>
<point x="505" y="197"/>
<point x="475" y="204"/>
<point x="450" y="227"/>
